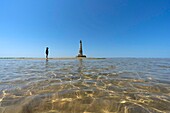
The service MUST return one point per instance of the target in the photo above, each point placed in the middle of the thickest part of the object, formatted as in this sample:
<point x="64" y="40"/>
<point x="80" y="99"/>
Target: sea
<point x="111" y="85"/>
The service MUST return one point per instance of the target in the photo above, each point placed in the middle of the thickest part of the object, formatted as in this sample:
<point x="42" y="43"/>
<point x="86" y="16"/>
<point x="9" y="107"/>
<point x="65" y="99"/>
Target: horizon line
<point x="73" y="57"/>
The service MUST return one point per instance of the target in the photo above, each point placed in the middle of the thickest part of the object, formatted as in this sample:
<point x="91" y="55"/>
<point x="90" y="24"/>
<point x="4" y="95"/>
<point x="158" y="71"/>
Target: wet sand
<point x="62" y="58"/>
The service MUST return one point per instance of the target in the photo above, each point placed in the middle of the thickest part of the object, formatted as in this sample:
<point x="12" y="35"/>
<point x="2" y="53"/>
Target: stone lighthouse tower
<point x="81" y="51"/>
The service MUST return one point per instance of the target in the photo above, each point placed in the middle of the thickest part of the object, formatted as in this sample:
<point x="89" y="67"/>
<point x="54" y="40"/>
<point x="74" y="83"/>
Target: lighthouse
<point x="81" y="51"/>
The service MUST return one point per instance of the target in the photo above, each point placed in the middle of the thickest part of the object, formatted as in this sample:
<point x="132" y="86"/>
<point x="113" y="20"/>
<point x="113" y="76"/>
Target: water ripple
<point x="85" y="86"/>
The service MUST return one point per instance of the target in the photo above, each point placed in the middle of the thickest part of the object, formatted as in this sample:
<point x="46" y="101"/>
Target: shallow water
<point x="119" y="85"/>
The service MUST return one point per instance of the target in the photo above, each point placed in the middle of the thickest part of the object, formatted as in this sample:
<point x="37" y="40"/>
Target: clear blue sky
<point x="108" y="28"/>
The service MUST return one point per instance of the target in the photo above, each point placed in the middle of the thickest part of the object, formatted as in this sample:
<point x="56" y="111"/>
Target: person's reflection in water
<point x="46" y="65"/>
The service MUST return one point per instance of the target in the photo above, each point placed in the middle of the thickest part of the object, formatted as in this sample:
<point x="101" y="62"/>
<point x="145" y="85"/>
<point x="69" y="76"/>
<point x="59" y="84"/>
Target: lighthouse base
<point x="84" y="56"/>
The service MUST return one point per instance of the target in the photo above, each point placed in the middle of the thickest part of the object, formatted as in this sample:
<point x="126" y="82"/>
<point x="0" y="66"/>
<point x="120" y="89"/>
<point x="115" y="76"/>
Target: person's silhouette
<point x="46" y="52"/>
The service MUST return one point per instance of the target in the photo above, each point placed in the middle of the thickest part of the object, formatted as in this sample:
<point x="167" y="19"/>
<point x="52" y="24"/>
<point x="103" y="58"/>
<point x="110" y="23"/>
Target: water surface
<point x="119" y="85"/>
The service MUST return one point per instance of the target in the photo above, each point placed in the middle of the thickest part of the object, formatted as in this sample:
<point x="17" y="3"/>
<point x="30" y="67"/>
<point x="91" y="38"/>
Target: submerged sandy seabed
<point x="85" y="86"/>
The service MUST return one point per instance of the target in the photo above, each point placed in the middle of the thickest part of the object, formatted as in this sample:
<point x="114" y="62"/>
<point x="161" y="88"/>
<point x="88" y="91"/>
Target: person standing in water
<point x="46" y="52"/>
